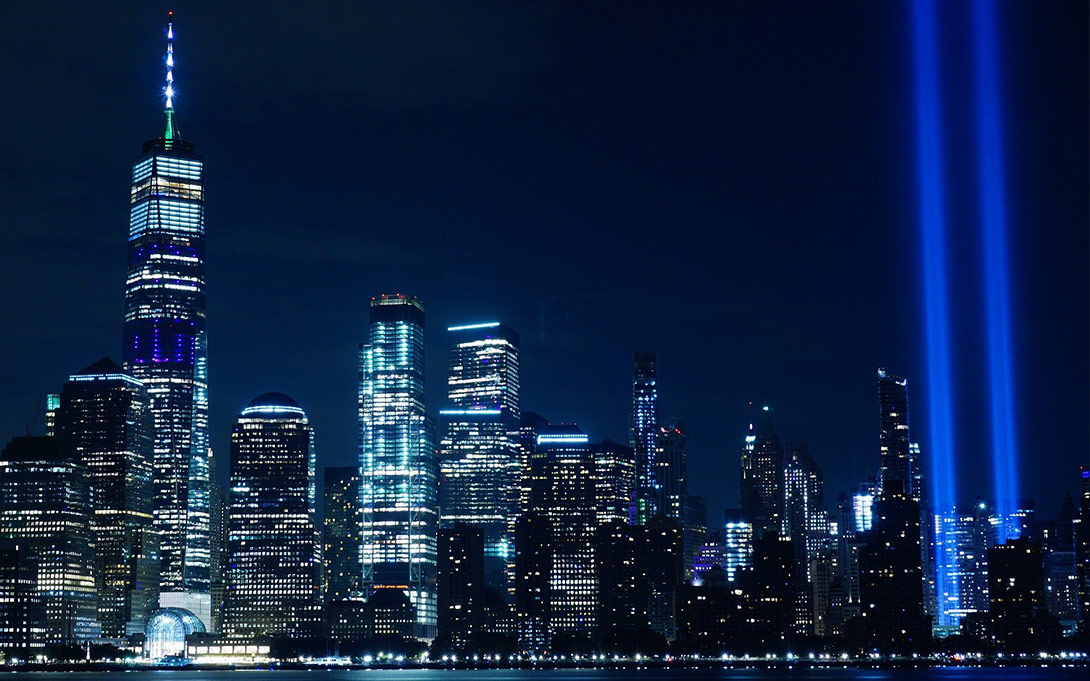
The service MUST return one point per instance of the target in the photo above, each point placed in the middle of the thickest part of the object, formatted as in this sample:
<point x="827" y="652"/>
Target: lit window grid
<point x="165" y="301"/>
<point x="398" y="467"/>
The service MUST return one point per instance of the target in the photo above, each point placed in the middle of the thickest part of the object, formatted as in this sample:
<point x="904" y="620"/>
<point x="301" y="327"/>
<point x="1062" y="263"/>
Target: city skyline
<point x="563" y="357"/>
<point x="489" y="523"/>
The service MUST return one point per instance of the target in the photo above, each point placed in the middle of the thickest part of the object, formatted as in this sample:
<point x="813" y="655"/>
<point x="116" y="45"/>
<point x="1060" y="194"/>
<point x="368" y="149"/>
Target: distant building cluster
<point x="480" y="527"/>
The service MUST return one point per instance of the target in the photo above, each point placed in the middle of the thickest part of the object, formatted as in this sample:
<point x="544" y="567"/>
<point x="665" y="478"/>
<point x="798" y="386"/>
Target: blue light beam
<point x="993" y="225"/>
<point x="929" y="142"/>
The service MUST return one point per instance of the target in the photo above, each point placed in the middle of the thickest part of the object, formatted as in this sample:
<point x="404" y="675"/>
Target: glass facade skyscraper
<point x="965" y="537"/>
<point x="273" y="577"/>
<point x="399" y="468"/>
<point x="165" y="347"/>
<point x="644" y="434"/>
<point x="45" y="512"/>
<point x="479" y="459"/>
<point x="104" y="421"/>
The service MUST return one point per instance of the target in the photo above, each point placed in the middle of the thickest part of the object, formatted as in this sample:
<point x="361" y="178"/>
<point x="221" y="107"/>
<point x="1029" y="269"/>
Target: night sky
<point x="730" y="184"/>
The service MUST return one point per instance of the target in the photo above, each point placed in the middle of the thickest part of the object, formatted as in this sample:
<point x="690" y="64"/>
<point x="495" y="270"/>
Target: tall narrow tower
<point x="399" y="471"/>
<point x="644" y="435"/>
<point x="894" y="439"/>
<point x="165" y="348"/>
<point x="762" y="476"/>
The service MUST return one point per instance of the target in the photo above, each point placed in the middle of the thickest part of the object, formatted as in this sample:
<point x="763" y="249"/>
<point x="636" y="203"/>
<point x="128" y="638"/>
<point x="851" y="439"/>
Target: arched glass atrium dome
<point x="166" y="631"/>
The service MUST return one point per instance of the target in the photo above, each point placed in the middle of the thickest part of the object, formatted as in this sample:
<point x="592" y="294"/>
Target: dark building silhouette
<point x="710" y="616"/>
<point x="274" y="577"/>
<point x="392" y="613"/>
<point x="45" y="511"/>
<point x="670" y="469"/>
<point x="891" y="576"/>
<point x="341" y="533"/>
<point x="770" y="589"/>
<point x="1082" y="548"/>
<point x="639" y="569"/>
<point x="461" y="560"/>
<point x="1016" y="593"/>
<point x="533" y="589"/>
<point x="105" y="421"/>
<point x="894" y="437"/>
<point x="762" y="475"/>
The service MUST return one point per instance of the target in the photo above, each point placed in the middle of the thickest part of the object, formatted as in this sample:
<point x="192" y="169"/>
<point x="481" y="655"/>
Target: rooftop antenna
<point x="172" y="128"/>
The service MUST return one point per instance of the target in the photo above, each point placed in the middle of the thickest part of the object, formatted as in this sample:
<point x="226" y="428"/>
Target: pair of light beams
<point x="993" y="226"/>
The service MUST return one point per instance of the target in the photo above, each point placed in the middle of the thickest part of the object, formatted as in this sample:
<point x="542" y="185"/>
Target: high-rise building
<point x="341" y="533"/>
<point x="275" y="557"/>
<point x="894" y="437"/>
<point x="738" y="542"/>
<point x="461" y="568"/>
<point x="1082" y="547"/>
<point x="564" y="495"/>
<point x="104" y="421"/>
<point x="900" y="459"/>
<point x="479" y="450"/>
<point x="670" y="467"/>
<point x="638" y="569"/>
<point x="576" y="486"/>
<point x="770" y="587"/>
<point x="806" y="520"/>
<point x="614" y="480"/>
<point x="23" y="634"/>
<point x="644" y="433"/>
<point x="694" y="528"/>
<point x="1062" y="588"/>
<point x="52" y="406"/>
<point x="863" y="498"/>
<point x="762" y="475"/>
<point x="891" y="574"/>
<point x="966" y="535"/>
<point x="399" y="468"/>
<point x="220" y="507"/>
<point x="712" y="553"/>
<point x="1015" y="589"/>
<point x="530" y="425"/>
<point x="45" y="513"/>
<point x="165" y="347"/>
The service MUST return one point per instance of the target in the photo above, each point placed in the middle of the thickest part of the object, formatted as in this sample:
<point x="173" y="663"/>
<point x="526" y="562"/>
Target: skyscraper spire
<point x="172" y="128"/>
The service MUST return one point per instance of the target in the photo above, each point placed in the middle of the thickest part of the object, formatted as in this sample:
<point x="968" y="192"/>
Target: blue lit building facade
<point x="165" y="347"/>
<point x="399" y="468"/>
<point x="479" y="458"/>
<point x="737" y="542"/>
<point x="274" y="564"/>
<point x="965" y="537"/>
<point x="104" y="421"/>
<point x="644" y="435"/>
